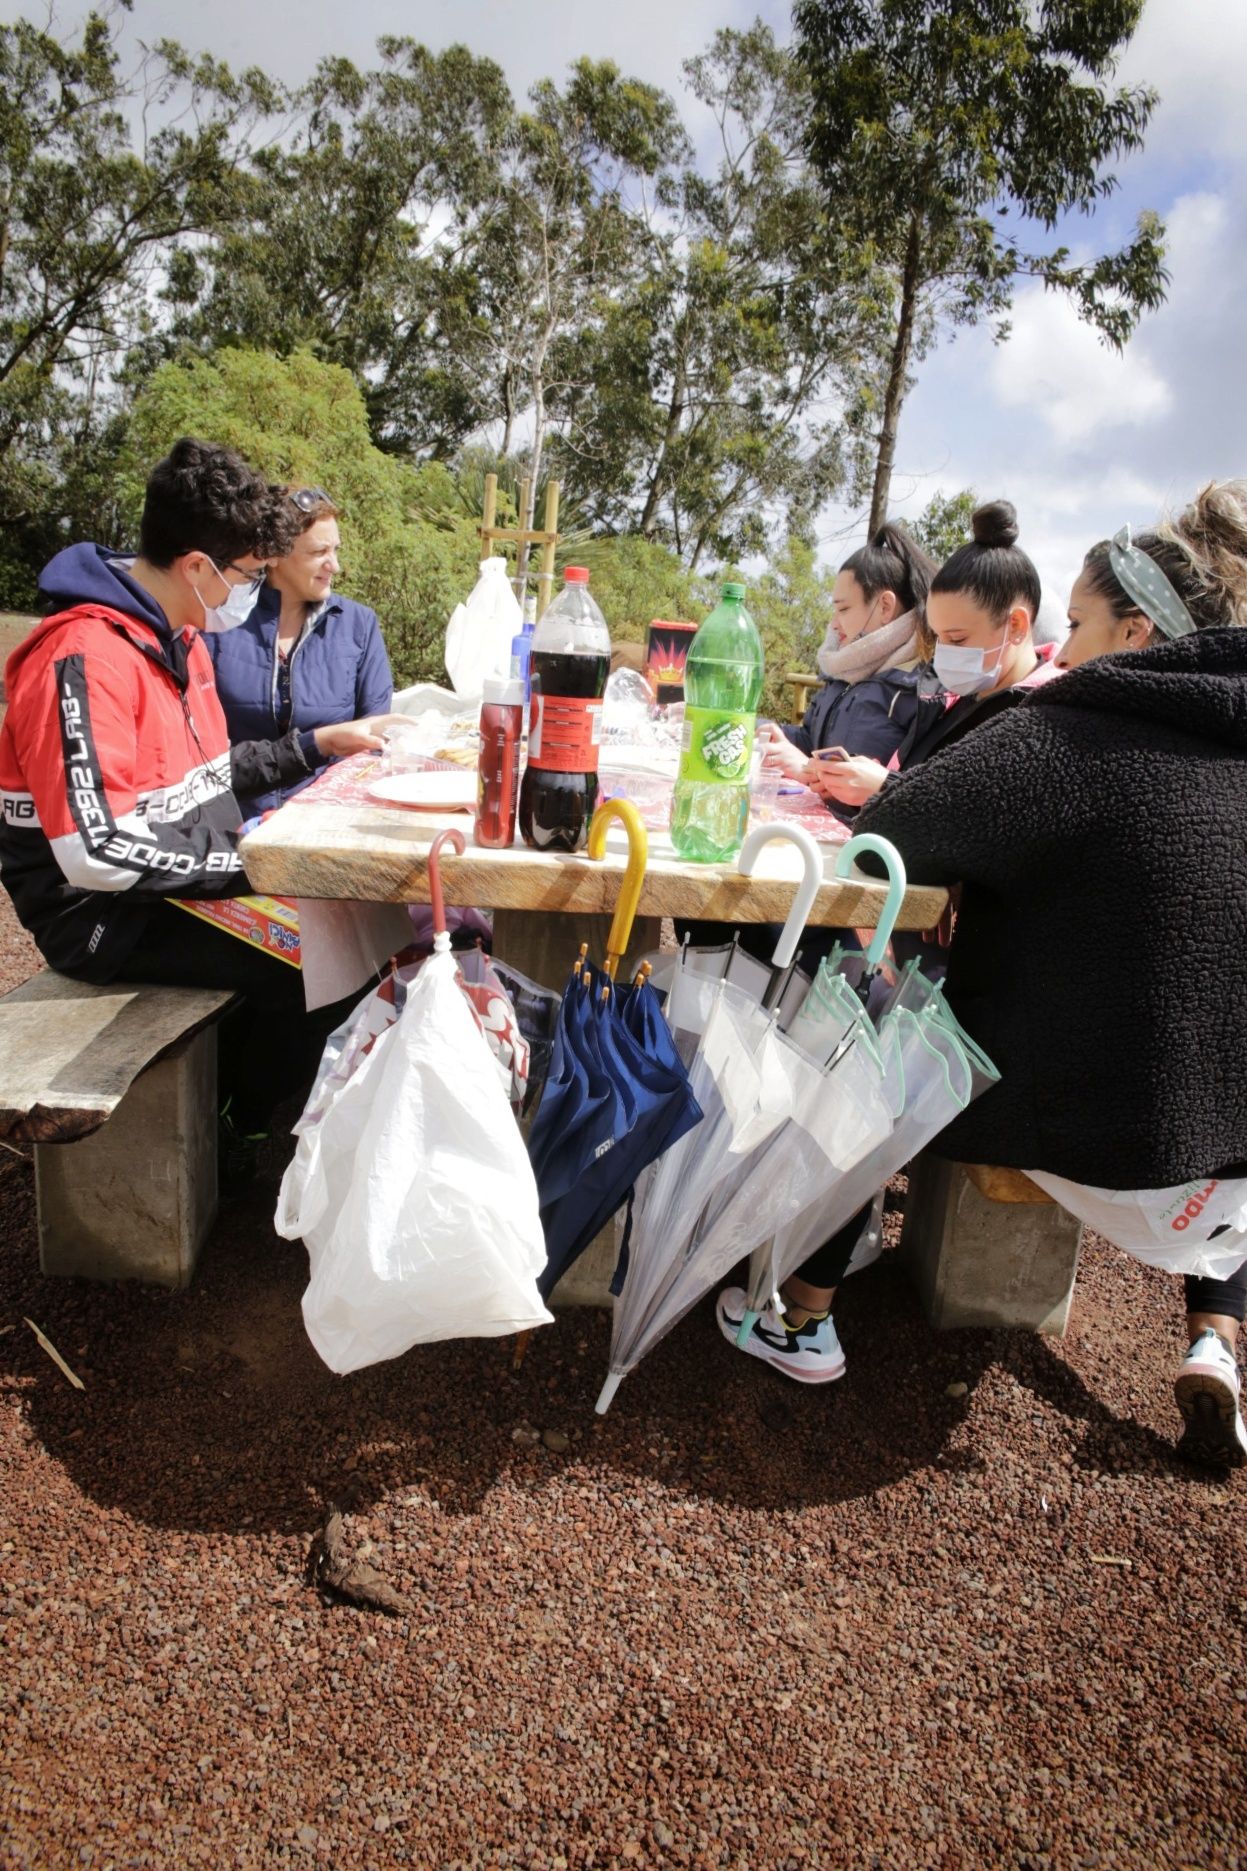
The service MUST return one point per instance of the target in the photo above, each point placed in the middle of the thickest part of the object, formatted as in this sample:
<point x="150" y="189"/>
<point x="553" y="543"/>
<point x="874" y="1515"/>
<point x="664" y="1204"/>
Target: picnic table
<point x="334" y="841"/>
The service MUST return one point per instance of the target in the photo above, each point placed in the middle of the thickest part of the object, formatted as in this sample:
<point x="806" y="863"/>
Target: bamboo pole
<point x="545" y="577"/>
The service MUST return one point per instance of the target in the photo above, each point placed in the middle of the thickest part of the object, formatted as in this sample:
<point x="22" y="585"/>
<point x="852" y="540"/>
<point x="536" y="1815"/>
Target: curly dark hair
<point x="204" y="498"/>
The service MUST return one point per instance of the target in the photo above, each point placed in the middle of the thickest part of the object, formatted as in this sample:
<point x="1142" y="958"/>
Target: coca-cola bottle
<point x="568" y="667"/>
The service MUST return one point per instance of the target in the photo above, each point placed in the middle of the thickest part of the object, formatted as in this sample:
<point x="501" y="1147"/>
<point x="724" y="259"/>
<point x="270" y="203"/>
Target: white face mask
<point x="965" y="671"/>
<point x="236" y="609"/>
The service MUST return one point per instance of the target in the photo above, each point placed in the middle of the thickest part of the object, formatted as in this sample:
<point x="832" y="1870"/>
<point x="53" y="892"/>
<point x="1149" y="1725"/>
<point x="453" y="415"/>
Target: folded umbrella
<point x="621" y="1093"/>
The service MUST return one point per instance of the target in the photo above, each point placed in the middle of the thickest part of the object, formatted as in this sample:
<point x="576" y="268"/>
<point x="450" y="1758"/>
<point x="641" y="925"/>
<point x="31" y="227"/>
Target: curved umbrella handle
<point x="807" y="890"/>
<point x="634" y="875"/>
<point x="454" y="839"/>
<point x="897" y="883"/>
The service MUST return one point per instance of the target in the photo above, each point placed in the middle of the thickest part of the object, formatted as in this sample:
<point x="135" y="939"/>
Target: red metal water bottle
<point x="498" y="768"/>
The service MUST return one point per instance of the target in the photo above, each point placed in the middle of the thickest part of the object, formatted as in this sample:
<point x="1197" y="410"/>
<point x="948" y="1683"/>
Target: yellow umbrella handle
<point x="634" y="875"/>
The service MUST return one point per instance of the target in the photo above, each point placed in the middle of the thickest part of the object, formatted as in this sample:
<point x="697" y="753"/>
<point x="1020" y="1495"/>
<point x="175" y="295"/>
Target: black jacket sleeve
<point x="977" y="813"/>
<point x="261" y="766"/>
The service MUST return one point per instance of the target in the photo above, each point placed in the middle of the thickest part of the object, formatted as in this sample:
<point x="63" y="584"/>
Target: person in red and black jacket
<point x="117" y="779"/>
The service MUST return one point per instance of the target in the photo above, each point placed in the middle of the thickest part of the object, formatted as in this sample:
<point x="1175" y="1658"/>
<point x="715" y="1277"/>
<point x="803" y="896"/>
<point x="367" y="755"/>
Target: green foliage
<point x="410" y="549"/>
<point x="790" y="603"/>
<point x="696" y="404"/>
<point x="944" y="523"/>
<point x="334" y="251"/>
<point x="637" y="581"/>
<point x="88" y="222"/>
<point x="943" y="134"/>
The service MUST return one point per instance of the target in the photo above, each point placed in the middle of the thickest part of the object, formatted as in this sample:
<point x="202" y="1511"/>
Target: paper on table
<point x="346" y="945"/>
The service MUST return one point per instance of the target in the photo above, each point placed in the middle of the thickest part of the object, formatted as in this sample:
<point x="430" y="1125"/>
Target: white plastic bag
<point x="413" y="1191"/>
<point x="478" y="636"/>
<point x="1166" y="1228"/>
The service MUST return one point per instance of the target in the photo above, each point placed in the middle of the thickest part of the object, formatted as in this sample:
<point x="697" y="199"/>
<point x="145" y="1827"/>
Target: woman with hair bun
<point x="981" y="610"/>
<point x="870" y="659"/>
<point x="1098" y="836"/>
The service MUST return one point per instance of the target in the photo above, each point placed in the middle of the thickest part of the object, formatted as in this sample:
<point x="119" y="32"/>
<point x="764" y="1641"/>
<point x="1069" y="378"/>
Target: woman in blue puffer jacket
<point x="304" y="658"/>
<point x="875" y="680"/>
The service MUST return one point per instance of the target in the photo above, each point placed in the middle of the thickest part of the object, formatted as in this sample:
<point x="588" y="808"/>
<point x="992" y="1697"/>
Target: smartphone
<point x="832" y="753"/>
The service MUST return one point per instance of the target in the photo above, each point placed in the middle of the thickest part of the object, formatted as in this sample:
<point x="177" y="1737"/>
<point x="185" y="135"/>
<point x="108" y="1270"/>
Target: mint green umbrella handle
<point x="895" y="864"/>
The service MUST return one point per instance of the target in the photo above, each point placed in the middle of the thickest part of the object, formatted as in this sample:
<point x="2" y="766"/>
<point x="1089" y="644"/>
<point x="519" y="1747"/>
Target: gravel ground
<point x="735" y="1623"/>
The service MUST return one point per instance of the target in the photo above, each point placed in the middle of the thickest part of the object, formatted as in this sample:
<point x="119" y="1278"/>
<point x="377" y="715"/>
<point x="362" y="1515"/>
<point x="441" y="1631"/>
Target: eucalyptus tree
<point x="712" y="399"/>
<point x="951" y="139"/>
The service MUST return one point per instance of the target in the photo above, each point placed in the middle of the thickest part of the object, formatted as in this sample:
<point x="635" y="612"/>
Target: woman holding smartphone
<point x="875" y="677"/>
<point x="981" y="609"/>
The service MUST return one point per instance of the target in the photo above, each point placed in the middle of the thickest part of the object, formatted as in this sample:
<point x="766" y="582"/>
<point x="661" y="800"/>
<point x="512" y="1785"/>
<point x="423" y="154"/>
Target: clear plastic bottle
<point x="568" y="667"/>
<point x="722" y="689"/>
<point x="522" y="645"/>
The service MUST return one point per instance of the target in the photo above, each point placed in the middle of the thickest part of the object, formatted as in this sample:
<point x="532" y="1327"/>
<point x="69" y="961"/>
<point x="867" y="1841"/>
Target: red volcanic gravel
<point x="734" y="1623"/>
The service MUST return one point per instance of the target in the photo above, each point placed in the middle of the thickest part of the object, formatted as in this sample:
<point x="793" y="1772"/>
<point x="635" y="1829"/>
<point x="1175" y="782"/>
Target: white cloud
<point x="1055" y="365"/>
<point x="1194" y="53"/>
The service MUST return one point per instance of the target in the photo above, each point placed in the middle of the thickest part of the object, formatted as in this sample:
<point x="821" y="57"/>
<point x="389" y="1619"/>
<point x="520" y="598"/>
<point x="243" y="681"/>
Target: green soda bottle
<point x="722" y="689"/>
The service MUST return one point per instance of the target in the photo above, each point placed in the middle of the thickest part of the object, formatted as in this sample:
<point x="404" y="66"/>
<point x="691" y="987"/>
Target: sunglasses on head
<point x="307" y="499"/>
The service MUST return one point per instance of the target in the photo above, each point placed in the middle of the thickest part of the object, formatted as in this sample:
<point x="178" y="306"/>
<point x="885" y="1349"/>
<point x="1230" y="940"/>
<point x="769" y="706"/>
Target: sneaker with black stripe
<point x="810" y="1352"/>
<point x="1207" y="1393"/>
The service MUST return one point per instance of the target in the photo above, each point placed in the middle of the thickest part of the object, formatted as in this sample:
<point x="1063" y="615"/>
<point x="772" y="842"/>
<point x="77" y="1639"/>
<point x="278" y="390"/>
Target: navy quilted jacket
<point x="339" y="671"/>
<point x="871" y="717"/>
<point x="1099" y="831"/>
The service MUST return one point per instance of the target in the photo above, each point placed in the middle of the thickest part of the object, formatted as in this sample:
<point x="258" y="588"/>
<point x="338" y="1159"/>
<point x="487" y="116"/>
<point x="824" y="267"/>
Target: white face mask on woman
<point x="965" y="671"/>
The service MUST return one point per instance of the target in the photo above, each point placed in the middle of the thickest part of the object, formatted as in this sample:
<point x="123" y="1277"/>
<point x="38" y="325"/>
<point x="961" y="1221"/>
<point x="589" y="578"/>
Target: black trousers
<point x="268" y="1045"/>
<point x="828" y="1264"/>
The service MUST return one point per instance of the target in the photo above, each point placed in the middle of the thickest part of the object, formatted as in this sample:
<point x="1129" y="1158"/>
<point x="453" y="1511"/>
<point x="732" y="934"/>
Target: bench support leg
<point x="982" y="1263"/>
<point x="136" y="1200"/>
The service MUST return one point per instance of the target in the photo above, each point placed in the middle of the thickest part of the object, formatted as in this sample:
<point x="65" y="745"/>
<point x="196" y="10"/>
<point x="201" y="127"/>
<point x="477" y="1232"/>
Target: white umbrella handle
<point x="807" y="890"/>
<point x="894" y="864"/>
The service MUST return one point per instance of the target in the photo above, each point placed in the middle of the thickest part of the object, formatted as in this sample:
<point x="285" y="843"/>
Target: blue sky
<point x="1079" y="438"/>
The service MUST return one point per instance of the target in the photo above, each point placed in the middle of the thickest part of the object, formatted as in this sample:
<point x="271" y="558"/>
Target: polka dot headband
<point x="1142" y="579"/>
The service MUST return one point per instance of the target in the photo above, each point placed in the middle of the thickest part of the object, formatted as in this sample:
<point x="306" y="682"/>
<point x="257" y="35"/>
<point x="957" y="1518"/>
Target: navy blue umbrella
<point x="618" y="1094"/>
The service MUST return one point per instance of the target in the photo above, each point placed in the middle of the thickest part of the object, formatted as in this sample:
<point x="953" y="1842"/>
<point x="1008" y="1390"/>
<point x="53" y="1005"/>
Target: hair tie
<point x="1142" y="579"/>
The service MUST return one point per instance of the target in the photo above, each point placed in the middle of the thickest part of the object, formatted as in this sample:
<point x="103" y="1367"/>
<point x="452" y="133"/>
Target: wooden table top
<point x="379" y="854"/>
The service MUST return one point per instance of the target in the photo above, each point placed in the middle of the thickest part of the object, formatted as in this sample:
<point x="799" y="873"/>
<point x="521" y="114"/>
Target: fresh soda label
<point x="717" y="745"/>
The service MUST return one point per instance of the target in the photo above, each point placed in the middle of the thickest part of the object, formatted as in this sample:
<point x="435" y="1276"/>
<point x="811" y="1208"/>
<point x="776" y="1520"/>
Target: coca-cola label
<point x="564" y="733"/>
<point x="717" y="745"/>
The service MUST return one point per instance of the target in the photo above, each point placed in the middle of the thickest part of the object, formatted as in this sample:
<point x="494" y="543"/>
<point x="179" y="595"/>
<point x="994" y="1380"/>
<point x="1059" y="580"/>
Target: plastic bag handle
<point x="454" y="839"/>
<point x="894" y="864"/>
<point x="807" y="889"/>
<point x="634" y="875"/>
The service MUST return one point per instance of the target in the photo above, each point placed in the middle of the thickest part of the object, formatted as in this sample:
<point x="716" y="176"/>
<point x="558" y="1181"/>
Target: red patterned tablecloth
<point x="346" y="783"/>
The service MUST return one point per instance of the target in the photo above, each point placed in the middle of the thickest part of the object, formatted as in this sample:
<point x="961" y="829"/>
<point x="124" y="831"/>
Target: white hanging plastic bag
<point x="413" y="1191"/>
<point x="1167" y="1228"/>
<point x="478" y="636"/>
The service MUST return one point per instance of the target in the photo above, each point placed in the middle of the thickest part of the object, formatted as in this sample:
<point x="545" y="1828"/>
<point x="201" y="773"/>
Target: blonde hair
<point x="1211" y="535"/>
<point x="1202" y="551"/>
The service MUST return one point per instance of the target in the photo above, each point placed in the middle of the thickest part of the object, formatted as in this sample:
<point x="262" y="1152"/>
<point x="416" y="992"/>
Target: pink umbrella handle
<point x="455" y="840"/>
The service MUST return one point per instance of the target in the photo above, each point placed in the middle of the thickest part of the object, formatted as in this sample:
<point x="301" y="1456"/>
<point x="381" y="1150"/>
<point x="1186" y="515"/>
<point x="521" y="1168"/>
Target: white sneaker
<point x="1207" y="1393"/>
<point x="811" y="1352"/>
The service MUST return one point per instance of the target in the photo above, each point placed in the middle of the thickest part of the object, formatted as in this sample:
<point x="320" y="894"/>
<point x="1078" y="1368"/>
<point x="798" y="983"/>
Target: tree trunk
<point x="898" y="372"/>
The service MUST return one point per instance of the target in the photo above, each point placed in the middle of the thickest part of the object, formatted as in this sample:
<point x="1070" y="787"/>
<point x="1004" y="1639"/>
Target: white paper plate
<point x="427" y="792"/>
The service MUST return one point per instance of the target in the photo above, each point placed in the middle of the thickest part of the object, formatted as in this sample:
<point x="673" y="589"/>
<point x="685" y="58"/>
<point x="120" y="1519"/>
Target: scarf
<point x="878" y="649"/>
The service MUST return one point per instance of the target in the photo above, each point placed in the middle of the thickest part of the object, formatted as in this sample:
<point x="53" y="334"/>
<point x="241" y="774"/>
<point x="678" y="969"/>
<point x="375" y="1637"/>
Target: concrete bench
<point x="987" y="1247"/>
<point x="116" y="1088"/>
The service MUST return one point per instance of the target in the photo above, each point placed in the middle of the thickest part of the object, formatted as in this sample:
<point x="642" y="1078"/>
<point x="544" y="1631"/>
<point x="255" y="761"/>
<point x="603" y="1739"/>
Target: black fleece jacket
<point x="1099" y="831"/>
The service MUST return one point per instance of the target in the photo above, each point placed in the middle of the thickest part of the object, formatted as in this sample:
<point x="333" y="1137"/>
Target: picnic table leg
<point x="544" y="947"/>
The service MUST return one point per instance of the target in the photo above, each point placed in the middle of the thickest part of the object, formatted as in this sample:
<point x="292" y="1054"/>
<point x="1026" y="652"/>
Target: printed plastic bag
<point x="478" y="636"/>
<point x="412" y="1189"/>
<point x="1195" y="1227"/>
